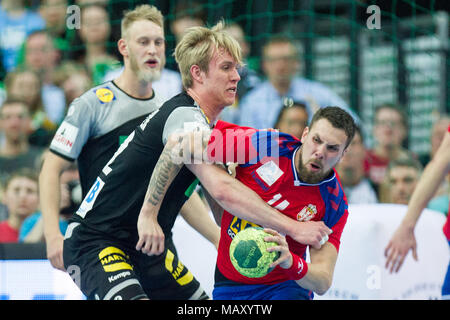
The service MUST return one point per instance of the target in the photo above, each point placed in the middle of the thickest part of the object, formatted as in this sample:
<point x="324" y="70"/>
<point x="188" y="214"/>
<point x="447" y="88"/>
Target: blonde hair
<point x="197" y="48"/>
<point x="142" y="12"/>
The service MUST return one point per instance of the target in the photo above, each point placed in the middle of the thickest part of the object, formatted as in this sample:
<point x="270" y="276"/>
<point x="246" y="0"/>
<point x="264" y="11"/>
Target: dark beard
<point x="307" y="176"/>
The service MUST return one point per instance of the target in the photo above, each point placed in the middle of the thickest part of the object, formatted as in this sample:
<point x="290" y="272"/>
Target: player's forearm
<point x="163" y="175"/>
<point x="317" y="279"/>
<point x="49" y="197"/>
<point x="432" y="177"/>
<point x="320" y="270"/>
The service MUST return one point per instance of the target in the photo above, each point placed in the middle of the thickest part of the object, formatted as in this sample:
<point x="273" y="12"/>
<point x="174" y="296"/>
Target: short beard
<point x="149" y="76"/>
<point x="144" y="76"/>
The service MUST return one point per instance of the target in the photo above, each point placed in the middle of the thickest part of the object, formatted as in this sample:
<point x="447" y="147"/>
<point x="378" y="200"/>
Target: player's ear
<point x="123" y="48"/>
<point x="196" y="73"/>
<point x="304" y="134"/>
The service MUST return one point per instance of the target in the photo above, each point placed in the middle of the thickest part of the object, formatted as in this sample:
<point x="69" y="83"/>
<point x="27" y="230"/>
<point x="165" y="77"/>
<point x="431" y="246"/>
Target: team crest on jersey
<point x="307" y="213"/>
<point x="105" y="95"/>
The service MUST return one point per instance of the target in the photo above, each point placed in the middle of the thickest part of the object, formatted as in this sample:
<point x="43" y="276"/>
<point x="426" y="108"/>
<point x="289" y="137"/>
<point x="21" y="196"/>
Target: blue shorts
<point x="287" y="290"/>
<point x="446" y="284"/>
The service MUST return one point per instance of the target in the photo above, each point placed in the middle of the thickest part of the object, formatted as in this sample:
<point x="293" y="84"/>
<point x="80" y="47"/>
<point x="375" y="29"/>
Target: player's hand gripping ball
<point x="249" y="255"/>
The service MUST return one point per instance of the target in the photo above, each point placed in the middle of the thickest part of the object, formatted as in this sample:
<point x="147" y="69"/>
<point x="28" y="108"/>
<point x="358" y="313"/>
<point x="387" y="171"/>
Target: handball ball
<point x="249" y="255"/>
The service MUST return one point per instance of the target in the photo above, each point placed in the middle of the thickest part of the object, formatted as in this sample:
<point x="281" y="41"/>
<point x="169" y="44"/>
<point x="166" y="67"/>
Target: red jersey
<point x="269" y="170"/>
<point x="447" y="222"/>
<point x="8" y="234"/>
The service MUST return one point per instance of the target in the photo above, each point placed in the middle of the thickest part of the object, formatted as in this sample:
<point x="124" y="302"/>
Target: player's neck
<point x="208" y="109"/>
<point x="134" y="87"/>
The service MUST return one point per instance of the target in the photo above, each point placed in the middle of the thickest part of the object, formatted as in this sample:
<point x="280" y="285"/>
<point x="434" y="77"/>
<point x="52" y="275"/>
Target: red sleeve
<point x="231" y="143"/>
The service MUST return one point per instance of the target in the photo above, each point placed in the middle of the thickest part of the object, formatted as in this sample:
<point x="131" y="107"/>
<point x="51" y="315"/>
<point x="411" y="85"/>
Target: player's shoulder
<point x="100" y="94"/>
<point x="181" y="99"/>
<point x="333" y="188"/>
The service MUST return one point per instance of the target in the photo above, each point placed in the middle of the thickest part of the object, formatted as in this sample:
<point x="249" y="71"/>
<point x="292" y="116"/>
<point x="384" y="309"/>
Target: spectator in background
<point x="25" y="85"/>
<point x="95" y="35"/>
<point x="43" y="58"/>
<point x="74" y="79"/>
<point x="3" y="208"/>
<point x="187" y="14"/>
<point x="16" y="152"/>
<point x="389" y="131"/>
<point x="32" y="229"/>
<point x="357" y="187"/>
<point x="54" y="13"/>
<point x="21" y="199"/>
<point x="83" y="3"/>
<point x="281" y="64"/>
<point x="402" y="176"/>
<point x="293" y="118"/>
<point x="16" y="23"/>
<point x="75" y="85"/>
<point x="249" y="77"/>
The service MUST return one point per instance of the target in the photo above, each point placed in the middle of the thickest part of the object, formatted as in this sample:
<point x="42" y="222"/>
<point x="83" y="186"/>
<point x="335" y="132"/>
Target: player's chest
<point x="275" y="185"/>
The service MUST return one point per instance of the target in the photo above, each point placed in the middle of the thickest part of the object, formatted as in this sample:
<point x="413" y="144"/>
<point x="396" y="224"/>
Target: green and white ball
<point x="249" y="255"/>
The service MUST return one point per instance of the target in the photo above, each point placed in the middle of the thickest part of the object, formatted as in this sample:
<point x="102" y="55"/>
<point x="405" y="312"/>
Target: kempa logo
<point x="119" y="276"/>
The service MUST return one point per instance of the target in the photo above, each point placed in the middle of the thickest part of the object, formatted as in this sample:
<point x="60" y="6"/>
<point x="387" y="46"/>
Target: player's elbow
<point x="324" y="284"/>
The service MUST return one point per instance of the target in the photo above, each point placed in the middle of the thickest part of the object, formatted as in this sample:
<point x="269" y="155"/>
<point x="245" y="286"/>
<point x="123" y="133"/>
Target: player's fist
<point x="313" y="233"/>
<point x="151" y="236"/>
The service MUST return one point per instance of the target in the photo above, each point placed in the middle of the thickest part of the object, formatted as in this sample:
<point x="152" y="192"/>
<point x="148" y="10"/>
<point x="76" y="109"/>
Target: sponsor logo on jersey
<point x="113" y="259"/>
<point x="269" y="172"/>
<point x="65" y="137"/>
<point x="105" y="95"/>
<point x="307" y="213"/>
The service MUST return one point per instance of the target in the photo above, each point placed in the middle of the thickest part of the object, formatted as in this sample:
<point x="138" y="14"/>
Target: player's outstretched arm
<point x="403" y="239"/>
<point x="49" y="197"/>
<point x="244" y="203"/>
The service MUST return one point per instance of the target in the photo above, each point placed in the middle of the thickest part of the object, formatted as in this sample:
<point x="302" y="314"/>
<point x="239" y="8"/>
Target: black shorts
<point x="108" y="269"/>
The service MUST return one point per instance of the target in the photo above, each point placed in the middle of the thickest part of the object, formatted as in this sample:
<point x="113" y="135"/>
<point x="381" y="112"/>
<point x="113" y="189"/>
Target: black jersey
<point x="113" y="203"/>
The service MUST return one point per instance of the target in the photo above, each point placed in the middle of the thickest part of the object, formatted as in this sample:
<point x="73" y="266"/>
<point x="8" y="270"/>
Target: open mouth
<point x="152" y="63"/>
<point x="233" y="90"/>
<point x="315" y="167"/>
